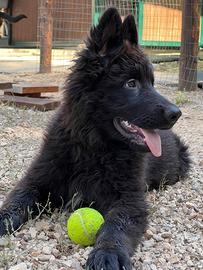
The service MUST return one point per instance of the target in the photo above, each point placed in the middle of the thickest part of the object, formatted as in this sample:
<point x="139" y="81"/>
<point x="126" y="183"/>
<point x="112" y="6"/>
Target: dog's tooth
<point x="126" y="123"/>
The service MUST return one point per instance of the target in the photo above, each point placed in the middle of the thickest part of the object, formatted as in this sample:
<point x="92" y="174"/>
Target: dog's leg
<point x="15" y="210"/>
<point x="124" y="226"/>
<point x="36" y="188"/>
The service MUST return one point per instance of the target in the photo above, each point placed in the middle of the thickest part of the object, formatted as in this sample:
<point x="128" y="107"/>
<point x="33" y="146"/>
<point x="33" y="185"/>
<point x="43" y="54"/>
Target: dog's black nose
<point x="172" y="114"/>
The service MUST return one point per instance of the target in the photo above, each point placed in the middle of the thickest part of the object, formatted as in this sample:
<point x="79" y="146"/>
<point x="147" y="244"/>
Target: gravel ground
<point x="174" y="239"/>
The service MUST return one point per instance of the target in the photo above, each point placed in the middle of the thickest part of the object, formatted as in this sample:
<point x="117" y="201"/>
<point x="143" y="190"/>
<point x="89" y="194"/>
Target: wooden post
<point x="189" y="45"/>
<point x="46" y="33"/>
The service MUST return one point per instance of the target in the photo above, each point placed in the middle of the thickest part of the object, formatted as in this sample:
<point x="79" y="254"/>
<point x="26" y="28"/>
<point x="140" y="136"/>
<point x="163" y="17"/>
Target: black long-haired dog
<point x="108" y="141"/>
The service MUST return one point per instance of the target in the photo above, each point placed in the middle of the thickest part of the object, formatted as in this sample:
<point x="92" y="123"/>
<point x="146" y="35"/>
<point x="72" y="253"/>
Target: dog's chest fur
<point x="93" y="176"/>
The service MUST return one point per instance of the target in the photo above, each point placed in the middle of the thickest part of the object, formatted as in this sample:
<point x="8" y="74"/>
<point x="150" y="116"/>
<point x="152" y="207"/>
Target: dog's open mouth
<point x="139" y="135"/>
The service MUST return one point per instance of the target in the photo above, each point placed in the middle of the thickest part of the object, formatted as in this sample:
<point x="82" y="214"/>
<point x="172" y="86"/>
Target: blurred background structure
<point x="170" y="31"/>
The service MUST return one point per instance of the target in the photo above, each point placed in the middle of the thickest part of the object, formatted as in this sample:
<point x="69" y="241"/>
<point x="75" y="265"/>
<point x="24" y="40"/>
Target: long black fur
<point x="84" y="154"/>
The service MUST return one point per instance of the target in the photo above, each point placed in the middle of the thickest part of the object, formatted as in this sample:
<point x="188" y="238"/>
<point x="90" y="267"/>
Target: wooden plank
<point x="162" y="23"/>
<point x="11" y="93"/>
<point x="5" y="85"/>
<point x="34" y="88"/>
<point x="41" y="104"/>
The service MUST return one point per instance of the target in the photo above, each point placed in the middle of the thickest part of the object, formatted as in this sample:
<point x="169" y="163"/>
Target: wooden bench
<point x="41" y="104"/>
<point x="29" y="95"/>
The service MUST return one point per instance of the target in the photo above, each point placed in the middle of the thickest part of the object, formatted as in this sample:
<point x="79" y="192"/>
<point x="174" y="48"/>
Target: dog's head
<point x="114" y="80"/>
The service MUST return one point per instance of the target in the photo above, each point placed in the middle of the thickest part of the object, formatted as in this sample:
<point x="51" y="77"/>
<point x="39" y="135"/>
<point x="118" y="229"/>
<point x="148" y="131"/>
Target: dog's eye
<point x="132" y="83"/>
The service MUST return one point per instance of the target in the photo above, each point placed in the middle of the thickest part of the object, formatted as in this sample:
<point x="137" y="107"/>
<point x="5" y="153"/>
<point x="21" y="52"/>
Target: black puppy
<point x="108" y="142"/>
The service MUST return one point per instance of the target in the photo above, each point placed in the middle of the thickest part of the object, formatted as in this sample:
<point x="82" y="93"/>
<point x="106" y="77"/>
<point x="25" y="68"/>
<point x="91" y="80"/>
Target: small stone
<point x="147" y="261"/>
<point x="166" y="235"/>
<point x="166" y="246"/>
<point x="76" y="265"/>
<point x="82" y="261"/>
<point x="33" y="232"/>
<point x="52" y="258"/>
<point x="201" y="163"/>
<point x="56" y="253"/>
<point x="42" y="225"/>
<point x="153" y="267"/>
<point x="26" y="237"/>
<point x="47" y="250"/>
<point x="199" y="225"/>
<point x="44" y="258"/>
<point x="3" y="144"/>
<point x="193" y="215"/>
<point x="35" y="253"/>
<point x="42" y="236"/>
<point x="149" y="243"/>
<point x="72" y="263"/>
<point x="190" y="263"/>
<point x="87" y="252"/>
<point x="4" y="242"/>
<point x="148" y="234"/>
<point x="162" y="261"/>
<point x="56" y="235"/>
<point x="192" y="206"/>
<point x="147" y="267"/>
<point x="158" y="238"/>
<point x="180" y="200"/>
<point x="20" y="266"/>
<point x="67" y="263"/>
<point x="174" y="259"/>
<point x="153" y="230"/>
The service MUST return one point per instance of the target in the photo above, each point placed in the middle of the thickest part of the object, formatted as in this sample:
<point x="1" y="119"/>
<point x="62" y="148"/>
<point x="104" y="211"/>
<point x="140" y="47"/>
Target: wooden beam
<point x="10" y="93"/>
<point x="189" y="45"/>
<point x="46" y="34"/>
<point x="5" y="85"/>
<point x="34" y="88"/>
<point x="41" y="104"/>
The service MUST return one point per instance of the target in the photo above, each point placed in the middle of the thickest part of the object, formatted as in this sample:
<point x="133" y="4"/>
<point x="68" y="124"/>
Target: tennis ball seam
<point x="84" y="227"/>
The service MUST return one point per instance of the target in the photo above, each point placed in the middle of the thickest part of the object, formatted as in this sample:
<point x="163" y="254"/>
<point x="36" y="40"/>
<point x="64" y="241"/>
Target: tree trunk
<point x="46" y="33"/>
<point x="189" y="45"/>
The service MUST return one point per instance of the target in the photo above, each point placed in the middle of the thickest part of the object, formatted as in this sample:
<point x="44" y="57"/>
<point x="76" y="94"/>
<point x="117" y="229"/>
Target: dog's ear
<point x="130" y="30"/>
<point x="106" y="37"/>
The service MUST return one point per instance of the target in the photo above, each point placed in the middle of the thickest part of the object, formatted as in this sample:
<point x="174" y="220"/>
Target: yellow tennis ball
<point x="83" y="225"/>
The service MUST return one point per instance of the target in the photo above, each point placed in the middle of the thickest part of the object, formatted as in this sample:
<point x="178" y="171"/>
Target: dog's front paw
<point x="3" y="227"/>
<point x="9" y="222"/>
<point x="108" y="259"/>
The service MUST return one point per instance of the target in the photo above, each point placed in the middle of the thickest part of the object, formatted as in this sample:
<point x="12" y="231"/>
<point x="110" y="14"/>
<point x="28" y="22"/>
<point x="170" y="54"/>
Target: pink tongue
<point x="153" y="141"/>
